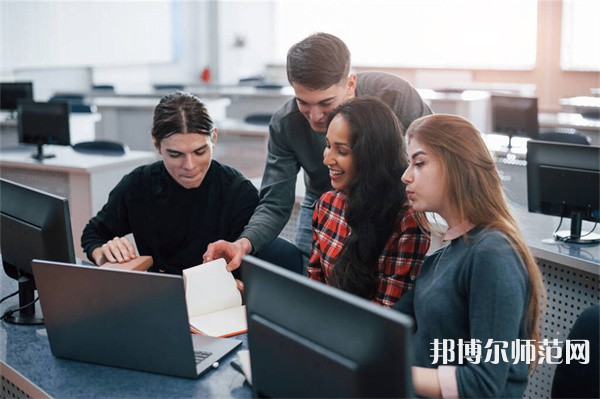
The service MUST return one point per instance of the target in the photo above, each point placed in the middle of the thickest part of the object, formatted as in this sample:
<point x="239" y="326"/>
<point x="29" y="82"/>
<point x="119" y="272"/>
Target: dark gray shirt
<point x="476" y="288"/>
<point x="294" y="145"/>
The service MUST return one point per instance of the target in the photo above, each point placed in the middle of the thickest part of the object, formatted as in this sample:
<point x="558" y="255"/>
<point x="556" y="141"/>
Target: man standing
<point x="318" y="68"/>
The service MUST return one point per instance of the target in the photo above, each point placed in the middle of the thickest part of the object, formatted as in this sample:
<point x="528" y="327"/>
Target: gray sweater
<point x="294" y="145"/>
<point x="476" y="288"/>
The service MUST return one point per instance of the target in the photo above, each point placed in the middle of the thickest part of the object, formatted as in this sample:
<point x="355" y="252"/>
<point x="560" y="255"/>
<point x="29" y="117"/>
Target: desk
<point x="85" y="180"/>
<point x="580" y="104"/>
<point x="571" y="274"/>
<point x="590" y="127"/>
<point x="26" y="349"/>
<point x="473" y="105"/>
<point x="238" y="127"/>
<point x="81" y="126"/>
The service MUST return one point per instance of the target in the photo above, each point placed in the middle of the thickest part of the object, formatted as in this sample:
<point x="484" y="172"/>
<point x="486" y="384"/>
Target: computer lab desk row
<point x="26" y="351"/>
<point x="84" y="179"/>
<point x="571" y="274"/>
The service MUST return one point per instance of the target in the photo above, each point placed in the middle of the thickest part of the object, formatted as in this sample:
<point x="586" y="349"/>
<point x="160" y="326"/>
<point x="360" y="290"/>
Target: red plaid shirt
<point x="399" y="263"/>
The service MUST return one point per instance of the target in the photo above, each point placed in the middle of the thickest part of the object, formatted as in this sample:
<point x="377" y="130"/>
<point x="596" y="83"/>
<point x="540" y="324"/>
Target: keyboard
<point x="200" y="356"/>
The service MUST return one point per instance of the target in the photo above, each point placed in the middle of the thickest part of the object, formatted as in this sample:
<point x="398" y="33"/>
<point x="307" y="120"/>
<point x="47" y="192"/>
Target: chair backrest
<point x="169" y="87"/>
<point x="570" y="136"/>
<point x="591" y="113"/>
<point x="76" y="102"/>
<point x="576" y="380"/>
<point x="103" y="87"/>
<point x="258" y="119"/>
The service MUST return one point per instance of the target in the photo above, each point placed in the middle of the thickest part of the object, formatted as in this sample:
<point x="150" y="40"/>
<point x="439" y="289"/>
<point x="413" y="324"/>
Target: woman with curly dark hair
<point x="365" y="238"/>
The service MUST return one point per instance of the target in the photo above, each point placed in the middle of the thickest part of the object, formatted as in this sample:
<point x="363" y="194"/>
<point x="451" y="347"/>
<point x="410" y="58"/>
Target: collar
<point x="458" y="230"/>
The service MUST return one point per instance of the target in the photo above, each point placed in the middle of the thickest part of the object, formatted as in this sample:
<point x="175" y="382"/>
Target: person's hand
<point x="240" y="286"/>
<point x="232" y="252"/>
<point x="117" y="250"/>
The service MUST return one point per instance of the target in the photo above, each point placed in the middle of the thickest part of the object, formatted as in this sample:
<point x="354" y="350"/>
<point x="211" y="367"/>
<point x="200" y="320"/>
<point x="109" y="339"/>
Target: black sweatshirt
<point x="173" y="224"/>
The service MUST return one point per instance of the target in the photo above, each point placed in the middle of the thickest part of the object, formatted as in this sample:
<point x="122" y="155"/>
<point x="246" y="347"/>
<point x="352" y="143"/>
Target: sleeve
<point x="402" y="260"/>
<point x="406" y="304"/>
<point x="277" y="193"/>
<point x="407" y="104"/>
<point x="497" y="286"/>
<point x="112" y="220"/>
<point x="314" y="267"/>
<point x="240" y="208"/>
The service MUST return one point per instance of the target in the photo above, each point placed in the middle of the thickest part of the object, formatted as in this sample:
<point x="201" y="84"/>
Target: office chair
<point x="283" y="253"/>
<point x="569" y="136"/>
<point x="251" y="80"/>
<point x="106" y="88"/>
<point x="576" y="380"/>
<point x="591" y="114"/>
<point x="258" y="119"/>
<point x="101" y="147"/>
<point x="169" y="87"/>
<point x="76" y="102"/>
<point x="269" y="86"/>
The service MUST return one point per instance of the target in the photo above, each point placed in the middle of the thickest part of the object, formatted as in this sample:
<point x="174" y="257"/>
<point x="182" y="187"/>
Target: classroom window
<point x="580" y="38"/>
<point x="471" y="34"/>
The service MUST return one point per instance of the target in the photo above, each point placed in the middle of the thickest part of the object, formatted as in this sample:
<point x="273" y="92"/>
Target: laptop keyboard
<point x="200" y="356"/>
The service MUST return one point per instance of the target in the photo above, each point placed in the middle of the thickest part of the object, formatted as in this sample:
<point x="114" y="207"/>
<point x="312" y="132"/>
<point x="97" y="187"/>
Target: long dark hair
<point x="377" y="195"/>
<point x="180" y="112"/>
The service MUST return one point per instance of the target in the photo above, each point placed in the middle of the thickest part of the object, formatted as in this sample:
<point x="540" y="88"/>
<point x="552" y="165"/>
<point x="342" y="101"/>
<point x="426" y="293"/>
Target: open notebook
<point x="214" y="302"/>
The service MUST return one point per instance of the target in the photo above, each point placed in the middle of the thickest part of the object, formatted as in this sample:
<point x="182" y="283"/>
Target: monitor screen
<point x="564" y="180"/>
<point x="43" y="123"/>
<point x="33" y="225"/>
<point x="308" y="339"/>
<point x="12" y="92"/>
<point x="515" y="116"/>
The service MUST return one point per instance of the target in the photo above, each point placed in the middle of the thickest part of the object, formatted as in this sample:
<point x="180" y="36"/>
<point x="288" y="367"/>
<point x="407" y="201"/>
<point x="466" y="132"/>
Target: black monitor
<point x="308" y="339"/>
<point x="515" y="116"/>
<point x="564" y="180"/>
<point x="12" y="92"/>
<point x="43" y="123"/>
<point x="33" y="225"/>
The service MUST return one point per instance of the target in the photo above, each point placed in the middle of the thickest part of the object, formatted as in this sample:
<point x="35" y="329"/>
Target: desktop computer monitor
<point x="515" y="116"/>
<point x="42" y="123"/>
<point x="33" y="225"/>
<point x="12" y="92"/>
<point x="308" y="339"/>
<point x="564" y="180"/>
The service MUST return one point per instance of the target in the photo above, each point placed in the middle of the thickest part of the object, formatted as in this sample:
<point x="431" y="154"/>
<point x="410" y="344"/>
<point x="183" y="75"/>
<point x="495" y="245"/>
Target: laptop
<point x="129" y="319"/>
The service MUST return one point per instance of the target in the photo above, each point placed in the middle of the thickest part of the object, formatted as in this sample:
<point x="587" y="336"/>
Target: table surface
<point x="26" y="349"/>
<point x="569" y="119"/>
<point x="68" y="159"/>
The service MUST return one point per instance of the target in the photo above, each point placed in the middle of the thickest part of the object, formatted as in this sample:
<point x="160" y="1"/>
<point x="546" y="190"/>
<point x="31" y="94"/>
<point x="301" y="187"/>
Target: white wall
<point x="245" y="37"/>
<point x="21" y="56"/>
<point x="48" y="34"/>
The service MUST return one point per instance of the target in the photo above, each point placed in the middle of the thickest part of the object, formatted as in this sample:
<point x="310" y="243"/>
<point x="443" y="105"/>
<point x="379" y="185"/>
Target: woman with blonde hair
<point x="482" y="294"/>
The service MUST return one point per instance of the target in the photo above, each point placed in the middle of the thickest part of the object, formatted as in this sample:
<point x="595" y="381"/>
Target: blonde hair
<point x="475" y="190"/>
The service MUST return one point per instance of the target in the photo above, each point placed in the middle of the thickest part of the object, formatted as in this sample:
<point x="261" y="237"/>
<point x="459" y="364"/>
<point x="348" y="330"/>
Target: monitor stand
<point x="24" y="313"/>
<point x="574" y="235"/>
<point x="39" y="153"/>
